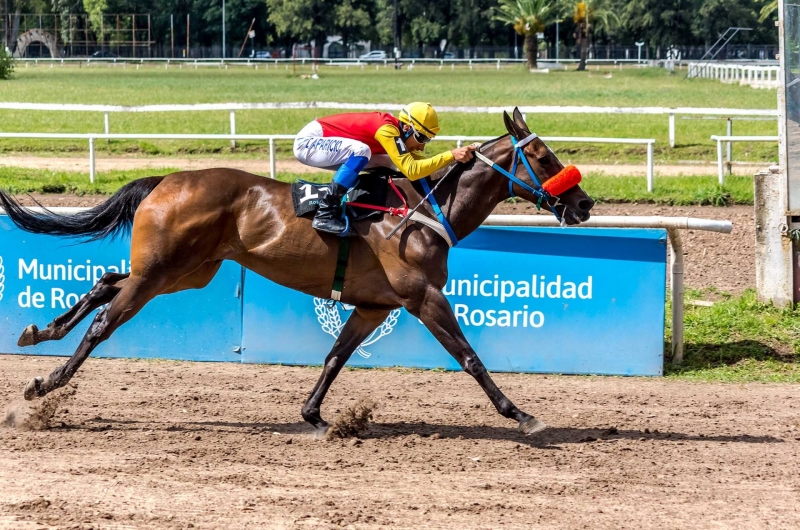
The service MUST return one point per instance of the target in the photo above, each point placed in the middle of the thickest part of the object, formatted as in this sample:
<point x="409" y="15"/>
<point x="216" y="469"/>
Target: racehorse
<point x="185" y="224"/>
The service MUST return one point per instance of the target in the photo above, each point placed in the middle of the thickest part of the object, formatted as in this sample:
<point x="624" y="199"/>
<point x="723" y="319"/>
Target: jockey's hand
<point x="464" y="154"/>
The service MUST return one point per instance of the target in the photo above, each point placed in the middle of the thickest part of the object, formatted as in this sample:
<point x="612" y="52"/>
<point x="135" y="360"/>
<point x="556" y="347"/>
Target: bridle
<point x="539" y="192"/>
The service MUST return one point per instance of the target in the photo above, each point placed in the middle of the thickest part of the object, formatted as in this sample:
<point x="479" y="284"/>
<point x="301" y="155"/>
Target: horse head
<point x="573" y="204"/>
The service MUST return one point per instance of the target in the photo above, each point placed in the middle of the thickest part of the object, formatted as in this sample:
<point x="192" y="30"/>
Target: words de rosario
<point x="538" y="287"/>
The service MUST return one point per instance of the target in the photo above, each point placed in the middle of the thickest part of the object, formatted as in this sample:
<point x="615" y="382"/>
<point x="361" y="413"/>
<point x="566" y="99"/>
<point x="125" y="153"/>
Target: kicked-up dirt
<point x="155" y="444"/>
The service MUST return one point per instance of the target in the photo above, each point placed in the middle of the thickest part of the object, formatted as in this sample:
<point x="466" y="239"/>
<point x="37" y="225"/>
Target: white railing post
<point x="720" y="164"/>
<point x="650" y="167"/>
<point x="729" y="153"/>
<point x="233" y="128"/>
<point x="676" y="264"/>
<point x="458" y="143"/>
<point x="272" y="164"/>
<point x="105" y="125"/>
<point x="672" y="129"/>
<point x="91" y="160"/>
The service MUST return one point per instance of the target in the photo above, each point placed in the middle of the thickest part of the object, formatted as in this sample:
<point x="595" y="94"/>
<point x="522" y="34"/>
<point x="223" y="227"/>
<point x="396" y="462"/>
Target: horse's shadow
<point x="552" y="437"/>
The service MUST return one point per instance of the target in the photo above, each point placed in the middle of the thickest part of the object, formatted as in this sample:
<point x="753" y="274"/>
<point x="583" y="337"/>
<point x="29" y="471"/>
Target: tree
<point x="6" y="64"/>
<point x="302" y="20"/>
<point x="589" y="16"/>
<point x="768" y="10"/>
<point x="659" y="22"/>
<point x="528" y="18"/>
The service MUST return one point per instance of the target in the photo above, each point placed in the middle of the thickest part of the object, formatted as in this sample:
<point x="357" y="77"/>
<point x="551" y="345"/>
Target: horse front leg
<point x="435" y="312"/>
<point x="357" y="328"/>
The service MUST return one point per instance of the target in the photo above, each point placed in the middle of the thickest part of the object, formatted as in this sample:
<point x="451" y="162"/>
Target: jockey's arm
<point x="412" y="167"/>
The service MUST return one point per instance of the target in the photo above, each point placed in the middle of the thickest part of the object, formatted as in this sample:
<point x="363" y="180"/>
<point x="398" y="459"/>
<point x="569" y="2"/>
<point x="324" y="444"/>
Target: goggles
<point x="418" y="136"/>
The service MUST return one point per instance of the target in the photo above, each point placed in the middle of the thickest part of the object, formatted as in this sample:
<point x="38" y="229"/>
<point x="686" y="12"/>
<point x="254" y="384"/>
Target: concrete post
<point x="773" y="246"/>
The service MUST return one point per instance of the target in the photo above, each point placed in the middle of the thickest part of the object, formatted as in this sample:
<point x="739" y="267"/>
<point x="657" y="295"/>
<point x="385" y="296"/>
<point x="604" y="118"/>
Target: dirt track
<point x="203" y="445"/>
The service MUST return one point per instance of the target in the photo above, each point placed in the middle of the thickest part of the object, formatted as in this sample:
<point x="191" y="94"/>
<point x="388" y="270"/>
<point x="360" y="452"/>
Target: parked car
<point x="449" y="55"/>
<point x="260" y="55"/>
<point x="374" y="55"/>
<point x="102" y="54"/>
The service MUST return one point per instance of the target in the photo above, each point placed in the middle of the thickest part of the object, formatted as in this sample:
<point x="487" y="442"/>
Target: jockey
<point x="354" y="141"/>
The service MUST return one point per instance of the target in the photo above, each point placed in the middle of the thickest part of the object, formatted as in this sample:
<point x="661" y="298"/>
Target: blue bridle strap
<point x="540" y="193"/>
<point x="426" y="187"/>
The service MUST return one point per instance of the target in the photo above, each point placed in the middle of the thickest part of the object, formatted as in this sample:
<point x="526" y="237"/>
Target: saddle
<point x="370" y="190"/>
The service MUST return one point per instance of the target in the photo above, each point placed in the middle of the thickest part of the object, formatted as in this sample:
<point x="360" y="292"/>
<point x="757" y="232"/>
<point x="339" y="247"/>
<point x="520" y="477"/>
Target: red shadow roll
<point x="564" y="180"/>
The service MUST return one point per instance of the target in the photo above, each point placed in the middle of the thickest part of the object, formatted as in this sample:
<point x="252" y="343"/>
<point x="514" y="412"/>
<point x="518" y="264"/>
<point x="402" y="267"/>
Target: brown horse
<point x="185" y="224"/>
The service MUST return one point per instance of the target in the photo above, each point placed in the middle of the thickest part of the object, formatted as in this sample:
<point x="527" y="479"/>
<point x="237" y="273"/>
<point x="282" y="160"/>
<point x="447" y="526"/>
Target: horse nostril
<point x="585" y="204"/>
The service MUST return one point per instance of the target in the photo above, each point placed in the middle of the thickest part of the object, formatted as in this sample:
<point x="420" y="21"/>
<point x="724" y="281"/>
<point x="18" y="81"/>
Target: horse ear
<point x="519" y="120"/>
<point x="510" y="126"/>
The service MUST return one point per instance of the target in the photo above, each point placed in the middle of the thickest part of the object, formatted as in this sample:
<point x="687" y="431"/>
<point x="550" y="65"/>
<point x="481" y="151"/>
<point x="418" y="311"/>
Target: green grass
<point x="668" y="190"/>
<point x="480" y="87"/>
<point x="738" y="339"/>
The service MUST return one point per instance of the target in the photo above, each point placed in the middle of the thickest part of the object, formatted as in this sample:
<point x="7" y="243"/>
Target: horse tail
<point x="111" y="218"/>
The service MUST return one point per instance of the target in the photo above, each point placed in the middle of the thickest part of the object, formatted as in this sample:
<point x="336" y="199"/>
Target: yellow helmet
<point x="421" y="117"/>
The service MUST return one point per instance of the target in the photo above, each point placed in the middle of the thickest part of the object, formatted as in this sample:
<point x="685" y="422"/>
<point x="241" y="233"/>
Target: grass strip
<point x="737" y="340"/>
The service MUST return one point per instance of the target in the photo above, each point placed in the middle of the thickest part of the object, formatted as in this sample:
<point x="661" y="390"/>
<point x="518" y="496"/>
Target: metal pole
<point x="650" y="167"/>
<point x="396" y="36"/>
<point x="172" y="35"/>
<point x="720" y="164"/>
<point x="557" y="56"/>
<point x="730" y="133"/>
<point x="676" y="263"/>
<point x="272" y="170"/>
<point x="223" y="29"/>
<point x="91" y="160"/>
<point x="672" y="129"/>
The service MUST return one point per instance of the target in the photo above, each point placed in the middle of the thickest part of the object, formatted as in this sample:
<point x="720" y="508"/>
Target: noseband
<point x="519" y="154"/>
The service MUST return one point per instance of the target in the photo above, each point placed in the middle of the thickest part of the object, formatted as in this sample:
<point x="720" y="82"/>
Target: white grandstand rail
<point x="673" y="225"/>
<point x="91" y="137"/>
<point x="727" y="139"/>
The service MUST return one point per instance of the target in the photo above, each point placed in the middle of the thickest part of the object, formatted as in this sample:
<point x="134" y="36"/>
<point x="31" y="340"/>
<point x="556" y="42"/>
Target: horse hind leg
<point x="125" y="305"/>
<point x="102" y="293"/>
<point x="132" y="296"/>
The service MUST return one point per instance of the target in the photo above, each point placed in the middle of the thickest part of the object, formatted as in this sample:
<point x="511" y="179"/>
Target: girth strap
<point x="341" y="267"/>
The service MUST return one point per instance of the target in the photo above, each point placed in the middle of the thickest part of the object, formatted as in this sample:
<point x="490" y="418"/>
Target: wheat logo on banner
<point x="331" y="322"/>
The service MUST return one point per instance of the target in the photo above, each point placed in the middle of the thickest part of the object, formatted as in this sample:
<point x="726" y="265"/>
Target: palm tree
<point x="589" y="16"/>
<point x="768" y="10"/>
<point x="528" y="17"/>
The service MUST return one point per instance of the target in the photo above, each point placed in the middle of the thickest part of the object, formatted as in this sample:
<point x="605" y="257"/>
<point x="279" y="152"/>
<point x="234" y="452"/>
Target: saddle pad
<point x="370" y="189"/>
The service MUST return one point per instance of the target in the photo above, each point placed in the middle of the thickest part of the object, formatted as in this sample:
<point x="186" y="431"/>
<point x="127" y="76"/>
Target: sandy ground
<point x="203" y="445"/>
<point x="293" y="166"/>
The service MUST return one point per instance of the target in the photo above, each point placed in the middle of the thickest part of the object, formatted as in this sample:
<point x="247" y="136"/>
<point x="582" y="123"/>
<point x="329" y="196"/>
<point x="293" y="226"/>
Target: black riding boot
<point x="329" y="215"/>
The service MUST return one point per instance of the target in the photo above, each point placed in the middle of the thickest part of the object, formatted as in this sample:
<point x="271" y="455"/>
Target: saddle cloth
<point x="371" y="189"/>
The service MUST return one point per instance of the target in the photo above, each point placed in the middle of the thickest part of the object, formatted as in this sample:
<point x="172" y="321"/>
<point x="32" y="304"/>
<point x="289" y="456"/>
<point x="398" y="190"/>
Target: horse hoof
<point x="34" y="388"/>
<point x="28" y="337"/>
<point x="531" y="426"/>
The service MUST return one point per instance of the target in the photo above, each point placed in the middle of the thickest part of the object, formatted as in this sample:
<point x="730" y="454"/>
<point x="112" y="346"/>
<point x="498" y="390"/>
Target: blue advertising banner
<point x="551" y="300"/>
<point x="577" y="301"/>
<point x="41" y="277"/>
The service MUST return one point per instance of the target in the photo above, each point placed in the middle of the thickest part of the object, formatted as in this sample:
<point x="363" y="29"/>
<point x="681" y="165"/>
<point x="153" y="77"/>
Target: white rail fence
<point x="271" y="138"/>
<point x="744" y="74"/>
<point x="728" y="139"/>
<point x="671" y="112"/>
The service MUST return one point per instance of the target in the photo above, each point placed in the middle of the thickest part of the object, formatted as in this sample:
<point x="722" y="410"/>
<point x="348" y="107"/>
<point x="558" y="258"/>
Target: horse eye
<point x="545" y="161"/>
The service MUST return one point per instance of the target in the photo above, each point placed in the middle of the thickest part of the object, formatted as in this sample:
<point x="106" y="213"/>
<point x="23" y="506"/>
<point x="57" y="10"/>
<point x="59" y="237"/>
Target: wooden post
<point x="188" y="28"/>
<point x="149" y="36"/>
<point x="134" y="35"/>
